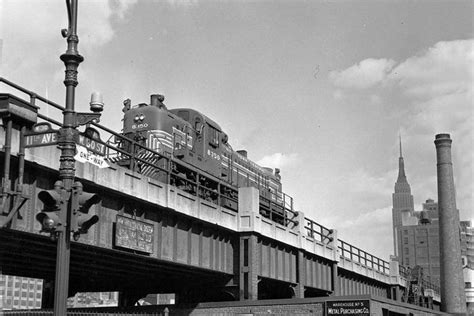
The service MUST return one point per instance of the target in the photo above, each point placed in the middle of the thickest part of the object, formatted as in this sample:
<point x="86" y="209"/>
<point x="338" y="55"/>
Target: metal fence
<point x="364" y="258"/>
<point x="104" y="311"/>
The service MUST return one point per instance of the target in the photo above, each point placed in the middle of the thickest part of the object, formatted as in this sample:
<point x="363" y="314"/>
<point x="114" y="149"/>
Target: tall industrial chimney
<point x="453" y="297"/>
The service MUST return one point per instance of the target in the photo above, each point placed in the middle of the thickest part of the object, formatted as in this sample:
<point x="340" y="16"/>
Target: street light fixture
<point x="66" y="142"/>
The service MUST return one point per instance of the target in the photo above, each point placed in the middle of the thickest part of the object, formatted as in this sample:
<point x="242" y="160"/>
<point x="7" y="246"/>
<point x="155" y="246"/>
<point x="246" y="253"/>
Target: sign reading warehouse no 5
<point x="134" y="234"/>
<point x="354" y="307"/>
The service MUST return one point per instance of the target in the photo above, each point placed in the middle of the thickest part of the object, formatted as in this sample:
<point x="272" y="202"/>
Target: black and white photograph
<point x="236" y="157"/>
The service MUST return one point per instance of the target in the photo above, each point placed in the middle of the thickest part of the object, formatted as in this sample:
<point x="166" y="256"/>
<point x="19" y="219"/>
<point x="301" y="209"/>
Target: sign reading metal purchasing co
<point x="354" y="308"/>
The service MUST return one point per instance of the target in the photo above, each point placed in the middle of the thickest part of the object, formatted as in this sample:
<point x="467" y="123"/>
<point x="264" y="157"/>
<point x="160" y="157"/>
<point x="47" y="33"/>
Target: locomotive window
<point x="213" y="136"/>
<point x="184" y="115"/>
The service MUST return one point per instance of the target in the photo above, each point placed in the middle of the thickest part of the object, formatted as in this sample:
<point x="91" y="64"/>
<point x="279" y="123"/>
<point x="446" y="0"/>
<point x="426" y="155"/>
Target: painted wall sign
<point x="354" y="308"/>
<point x="134" y="234"/>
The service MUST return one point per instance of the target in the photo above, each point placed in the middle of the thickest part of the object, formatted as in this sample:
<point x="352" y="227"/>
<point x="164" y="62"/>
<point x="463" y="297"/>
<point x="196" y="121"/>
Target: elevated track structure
<point x="156" y="237"/>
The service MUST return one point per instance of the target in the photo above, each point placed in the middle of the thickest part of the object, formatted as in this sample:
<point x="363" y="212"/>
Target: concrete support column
<point x="301" y="277"/>
<point x="248" y="277"/>
<point x="395" y="279"/>
<point x="453" y="299"/>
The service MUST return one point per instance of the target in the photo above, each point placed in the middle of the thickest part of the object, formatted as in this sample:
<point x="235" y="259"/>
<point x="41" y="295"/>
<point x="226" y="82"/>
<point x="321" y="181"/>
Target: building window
<point x="468" y="285"/>
<point x="405" y="240"/>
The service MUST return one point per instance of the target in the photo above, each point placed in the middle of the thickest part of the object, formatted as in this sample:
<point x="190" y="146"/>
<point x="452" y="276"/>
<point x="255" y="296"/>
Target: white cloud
<point x="42" y="31"/>
<point x="354" y="230"/>
<point x="446" y="68"/>
<point x="365" y="74"/>
<point x="279" y="160"/>
<point x="435" y="88"/>
<point x="360" y="181"/>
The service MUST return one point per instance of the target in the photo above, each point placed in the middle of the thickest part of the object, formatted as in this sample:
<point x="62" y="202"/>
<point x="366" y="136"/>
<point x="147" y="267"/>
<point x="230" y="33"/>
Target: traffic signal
<point x="82" y="201"/>
<point x="50" y="217"/>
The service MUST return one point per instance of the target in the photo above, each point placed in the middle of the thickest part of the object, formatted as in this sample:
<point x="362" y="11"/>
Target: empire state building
<point x="402" y="200"/>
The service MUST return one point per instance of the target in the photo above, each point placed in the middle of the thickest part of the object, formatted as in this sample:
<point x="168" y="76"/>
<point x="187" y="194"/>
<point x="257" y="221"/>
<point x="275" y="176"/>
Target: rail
<point x="358" y="255"/>
<point x="317" y="231"/>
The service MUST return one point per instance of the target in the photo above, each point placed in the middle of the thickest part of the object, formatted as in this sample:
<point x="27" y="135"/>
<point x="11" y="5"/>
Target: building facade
<point x="467" y="254"/>
<point x="20" y="292"/>
<point x="419" y="241"/>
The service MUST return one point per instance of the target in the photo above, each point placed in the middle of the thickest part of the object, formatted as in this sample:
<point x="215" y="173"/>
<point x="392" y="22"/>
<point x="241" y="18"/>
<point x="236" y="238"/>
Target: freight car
<point x="189" y="150"/>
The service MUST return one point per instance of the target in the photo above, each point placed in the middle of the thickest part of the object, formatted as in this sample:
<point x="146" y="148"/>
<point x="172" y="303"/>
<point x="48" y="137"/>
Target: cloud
<point x="95" y="28"/>
<point x="279" y="160"/>
<point x="439" y="86"/>
<point x="446" y="68"/>
<point x="360" y="181"/>
<point x="435" y="90"/>
<point x="367" y="73"/>
<point x="353" y="229"/>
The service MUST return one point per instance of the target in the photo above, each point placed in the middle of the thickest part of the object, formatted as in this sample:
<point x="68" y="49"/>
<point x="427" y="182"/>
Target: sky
<point x="320" y="89"/>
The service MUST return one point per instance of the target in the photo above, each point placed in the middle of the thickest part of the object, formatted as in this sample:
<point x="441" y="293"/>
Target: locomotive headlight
<point x="136" y="118"/>
<point x="142" y="117"/>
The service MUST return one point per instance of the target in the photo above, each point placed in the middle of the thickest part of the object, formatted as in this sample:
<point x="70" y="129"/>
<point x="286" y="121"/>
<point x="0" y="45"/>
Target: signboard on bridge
<point x="134" y="234"/>
<point x="352" y="307"/>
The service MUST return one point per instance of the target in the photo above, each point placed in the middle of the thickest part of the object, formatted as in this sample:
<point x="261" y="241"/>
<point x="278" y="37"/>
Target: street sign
<point x="41" y="139"/>
<point x="85" y="155"/>
<point x="91" y="144"/>
<point x="41" y="135"/>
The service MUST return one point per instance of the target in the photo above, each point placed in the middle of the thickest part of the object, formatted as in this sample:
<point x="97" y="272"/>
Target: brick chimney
<point x="453" y="297"/>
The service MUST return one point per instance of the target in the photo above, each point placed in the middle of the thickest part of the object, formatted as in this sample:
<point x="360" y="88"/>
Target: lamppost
<point x="66" y="141"/>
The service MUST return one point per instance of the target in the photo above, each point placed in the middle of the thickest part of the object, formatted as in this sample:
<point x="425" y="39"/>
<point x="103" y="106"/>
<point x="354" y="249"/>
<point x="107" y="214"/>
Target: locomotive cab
<point x="207" y="147"/>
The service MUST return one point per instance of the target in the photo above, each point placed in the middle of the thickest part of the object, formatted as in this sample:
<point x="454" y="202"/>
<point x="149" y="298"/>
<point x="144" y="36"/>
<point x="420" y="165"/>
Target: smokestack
<point x="453" y="297"/>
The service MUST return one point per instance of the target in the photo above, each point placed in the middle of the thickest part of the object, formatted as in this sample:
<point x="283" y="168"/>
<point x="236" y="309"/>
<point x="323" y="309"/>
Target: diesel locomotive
<point x="189" y="150"/>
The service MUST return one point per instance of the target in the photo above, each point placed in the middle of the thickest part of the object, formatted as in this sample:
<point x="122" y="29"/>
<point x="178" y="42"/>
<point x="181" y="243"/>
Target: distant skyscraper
<point x="402" y="201"/>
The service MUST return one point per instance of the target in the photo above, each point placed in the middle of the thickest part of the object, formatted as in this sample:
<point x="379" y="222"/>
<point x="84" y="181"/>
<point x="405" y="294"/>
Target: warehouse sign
<point x="134" y="234"/>
<point x="353" y="307"/>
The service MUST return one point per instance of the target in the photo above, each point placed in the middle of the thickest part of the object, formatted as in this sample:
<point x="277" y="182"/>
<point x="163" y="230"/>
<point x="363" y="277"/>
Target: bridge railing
<point x="317" y="231"/>
<point x="358" y="255"/>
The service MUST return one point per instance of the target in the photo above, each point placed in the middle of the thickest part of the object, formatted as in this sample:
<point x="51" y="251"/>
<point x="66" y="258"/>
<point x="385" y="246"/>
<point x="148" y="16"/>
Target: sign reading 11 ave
<point x="89" y="147"/>
<point x="41" y="139"/>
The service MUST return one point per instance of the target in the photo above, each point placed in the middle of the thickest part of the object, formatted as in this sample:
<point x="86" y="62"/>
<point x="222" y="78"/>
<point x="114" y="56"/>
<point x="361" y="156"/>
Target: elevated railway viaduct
<point x="155" y="238"/>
